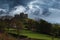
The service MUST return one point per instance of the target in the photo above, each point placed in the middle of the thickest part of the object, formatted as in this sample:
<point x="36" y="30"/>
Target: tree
<point x="3" y="25"/>
<point x="44" y="27"/>
<point x="32" y="24"/>
<point x="56" y="30"/>
<point x="19" y="26"/>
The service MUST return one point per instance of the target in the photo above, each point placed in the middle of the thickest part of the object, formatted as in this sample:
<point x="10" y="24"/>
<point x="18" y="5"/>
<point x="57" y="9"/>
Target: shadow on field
<point x="22" y="37"/>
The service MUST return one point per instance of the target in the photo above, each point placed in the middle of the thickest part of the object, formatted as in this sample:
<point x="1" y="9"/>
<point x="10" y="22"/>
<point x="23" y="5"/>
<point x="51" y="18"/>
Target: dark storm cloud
<point x="9" y="5"/>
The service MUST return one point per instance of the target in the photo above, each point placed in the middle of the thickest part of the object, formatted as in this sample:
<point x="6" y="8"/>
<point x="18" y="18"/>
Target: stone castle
<point x="21" y="15"/>
<point x="17" y="16"/>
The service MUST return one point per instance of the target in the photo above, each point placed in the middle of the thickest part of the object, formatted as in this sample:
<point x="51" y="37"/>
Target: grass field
<point x="37" y="35"/>
<point x="31" y="34"/>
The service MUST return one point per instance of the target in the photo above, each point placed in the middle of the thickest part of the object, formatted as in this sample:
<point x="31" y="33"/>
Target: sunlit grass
<point x="31" y="34"/>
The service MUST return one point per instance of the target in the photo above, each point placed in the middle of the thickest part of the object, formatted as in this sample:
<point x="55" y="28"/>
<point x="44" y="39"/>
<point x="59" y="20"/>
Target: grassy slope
<point x="31" y="34"/>
<point x="36" y="35"/>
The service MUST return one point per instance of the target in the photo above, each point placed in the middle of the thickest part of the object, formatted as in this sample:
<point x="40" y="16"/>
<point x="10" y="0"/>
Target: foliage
<point x="44" y="27"/>
<point x="41" y="26"/>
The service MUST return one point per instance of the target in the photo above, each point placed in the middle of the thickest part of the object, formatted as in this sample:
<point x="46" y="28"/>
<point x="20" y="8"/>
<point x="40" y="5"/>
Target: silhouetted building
<point x="21" y="15"/>
<point x="17" y="16"/>
<point x="26" y="15"/>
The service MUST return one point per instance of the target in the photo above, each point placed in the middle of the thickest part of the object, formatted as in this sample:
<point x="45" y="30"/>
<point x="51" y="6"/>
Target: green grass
<point x="31" y="34"/>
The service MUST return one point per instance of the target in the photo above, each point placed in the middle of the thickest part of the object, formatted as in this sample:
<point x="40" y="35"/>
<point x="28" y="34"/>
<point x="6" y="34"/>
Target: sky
<point x="48" y="10"/>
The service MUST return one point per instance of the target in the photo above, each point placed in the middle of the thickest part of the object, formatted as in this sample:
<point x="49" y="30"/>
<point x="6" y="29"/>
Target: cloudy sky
<point x="48" y="10"/>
